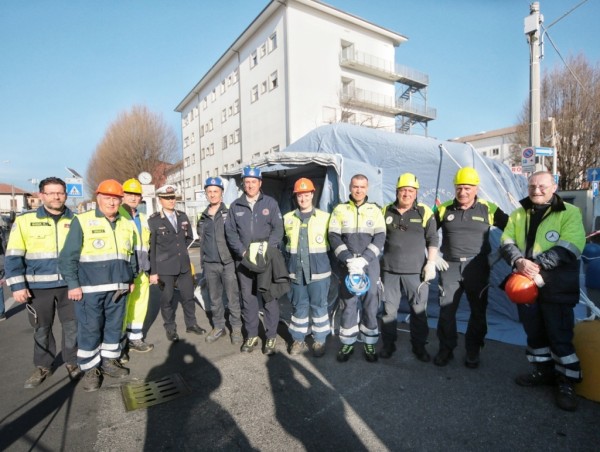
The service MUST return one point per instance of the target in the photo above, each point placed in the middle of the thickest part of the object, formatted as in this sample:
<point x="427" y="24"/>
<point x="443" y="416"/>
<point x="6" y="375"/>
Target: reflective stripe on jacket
<point x="357" y="231"/>
<point x="318" y="245"/>
<point x="96" y="256"/>
<point x="32" y="250"/>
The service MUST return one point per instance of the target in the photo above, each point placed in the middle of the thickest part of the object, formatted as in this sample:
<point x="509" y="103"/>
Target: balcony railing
<point x="382" y="68"/>
<point x="357" y="97"/>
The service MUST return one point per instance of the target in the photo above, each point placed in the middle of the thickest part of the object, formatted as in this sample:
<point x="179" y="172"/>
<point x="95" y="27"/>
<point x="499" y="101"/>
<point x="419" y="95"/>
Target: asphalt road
<point x="254" y="402"/>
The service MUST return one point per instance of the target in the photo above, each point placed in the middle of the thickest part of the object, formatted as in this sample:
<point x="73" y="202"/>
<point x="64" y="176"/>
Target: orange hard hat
<point x="110" y="187"/>
<point x="303" y="185"/>
<point x="520" y="289"/>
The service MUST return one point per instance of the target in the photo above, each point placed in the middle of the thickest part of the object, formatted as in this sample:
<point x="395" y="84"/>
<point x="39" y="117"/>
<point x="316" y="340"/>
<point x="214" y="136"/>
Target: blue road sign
<point x="75" y="190"/>
<point x="544" y="152"/>
<point x="593" y="174"/>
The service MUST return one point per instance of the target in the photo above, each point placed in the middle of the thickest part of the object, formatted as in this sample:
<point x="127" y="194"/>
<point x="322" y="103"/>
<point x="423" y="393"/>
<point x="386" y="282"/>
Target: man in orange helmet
<point x="309" y="268"/>
<point x="99" y="264"/>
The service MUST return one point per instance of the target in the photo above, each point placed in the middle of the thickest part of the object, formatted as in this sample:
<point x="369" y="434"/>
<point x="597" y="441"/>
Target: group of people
<point x="95" y="269"/>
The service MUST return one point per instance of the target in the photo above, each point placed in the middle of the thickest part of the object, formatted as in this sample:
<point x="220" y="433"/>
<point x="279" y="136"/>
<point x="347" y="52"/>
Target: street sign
<point x="528" y="160"/>
<point x="593" y="174"/>
<point x="74" y="187"/>
<point x="595" y="188"/>
<point x="544" y="152"/>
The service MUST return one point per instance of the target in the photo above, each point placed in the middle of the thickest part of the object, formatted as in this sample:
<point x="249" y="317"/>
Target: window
<point x="194" y="180"/>
<point x="210" y="125"/>
<point x="202" y="130"/>
<point x="224" y="142"/>
<point x="272" y="42"/>
<point x="235" y="76"/>
<point x="254" y="95"/>
<point x="195" y="112"/>
<point x="225" y="167"/>
<point x="275" y="148"/>
<point x="274" y="83"/>
<point x="222" y="86"/>
<point x="231" y="138"/>
<point x="253" y="59"/>
<point x="229" y="81"/>
<point x="256" y="155"/>
<point x="192" y="138"/>
<point x="207" y="174"/>
<point x="224" y="115"/>
<point x="187" y="161"/>
<point x="263" y="50"/>
<point x="202" y="153"/>
<point x="211" y="149"/>
<point x="204" y="103"/>
<point x="213" y="95"/>
<point x="229" y="111"/>
<point x="187" y="183"/>
<point x="186" y="142"/>
<point x="263" y="87"/>
<point x="236" y="136"/>
<point x="236" y="106"/>
<point x="495" y="151"/>
<point x="216" y="172"/>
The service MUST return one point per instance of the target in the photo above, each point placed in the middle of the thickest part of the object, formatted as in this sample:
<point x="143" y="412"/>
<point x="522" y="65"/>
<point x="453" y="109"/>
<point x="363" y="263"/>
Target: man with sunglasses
<point x="170" y="235"/>
<point x="410" y="230"/>
<point x="34" y="244"/>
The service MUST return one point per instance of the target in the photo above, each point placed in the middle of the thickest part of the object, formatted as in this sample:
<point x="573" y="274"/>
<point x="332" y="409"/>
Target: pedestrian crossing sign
<point x="75" y="190"/>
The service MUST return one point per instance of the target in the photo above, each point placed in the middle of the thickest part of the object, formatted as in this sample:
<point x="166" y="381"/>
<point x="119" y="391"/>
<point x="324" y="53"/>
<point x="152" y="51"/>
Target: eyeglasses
<point x="55" y="193"/>
<point x="541" y="188"/>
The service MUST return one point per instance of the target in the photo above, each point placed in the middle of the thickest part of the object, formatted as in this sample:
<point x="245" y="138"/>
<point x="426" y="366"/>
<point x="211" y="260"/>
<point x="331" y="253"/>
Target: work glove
<point x="356" y="265"/>
<point x="539" y="281"/>
<point x="428" y="272"/>
<point x="441" y="264"/>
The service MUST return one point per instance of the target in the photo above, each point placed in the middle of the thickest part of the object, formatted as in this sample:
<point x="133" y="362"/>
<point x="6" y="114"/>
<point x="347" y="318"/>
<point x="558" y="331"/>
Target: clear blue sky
<point x="67" y="68"/>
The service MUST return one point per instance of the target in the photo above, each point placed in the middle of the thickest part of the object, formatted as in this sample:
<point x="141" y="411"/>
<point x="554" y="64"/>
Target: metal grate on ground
<point x="147" y="393"/>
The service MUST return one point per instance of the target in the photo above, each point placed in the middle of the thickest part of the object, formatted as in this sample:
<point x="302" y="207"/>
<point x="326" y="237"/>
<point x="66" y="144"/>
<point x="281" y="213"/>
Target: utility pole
<point x="532" y="30"/>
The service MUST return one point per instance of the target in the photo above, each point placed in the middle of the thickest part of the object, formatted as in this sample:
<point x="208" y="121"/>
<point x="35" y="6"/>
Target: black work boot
<point x="543" y="374"/>
<point x="566" y="399"/>
<point x="387" y="350"/>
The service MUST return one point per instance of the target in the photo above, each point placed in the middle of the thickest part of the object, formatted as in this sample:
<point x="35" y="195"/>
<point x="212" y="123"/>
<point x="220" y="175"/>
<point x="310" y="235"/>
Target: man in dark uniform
<point x="410" y="230"/>
<point x="465" y="223"/>
<point x="170" y="235"/>
<point x="254" y="217"/>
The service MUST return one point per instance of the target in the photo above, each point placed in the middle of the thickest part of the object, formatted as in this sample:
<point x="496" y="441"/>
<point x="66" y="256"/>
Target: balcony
<point x="379" y="67"/>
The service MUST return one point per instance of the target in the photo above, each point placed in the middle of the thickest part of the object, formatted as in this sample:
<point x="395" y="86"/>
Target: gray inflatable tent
<point x="331" y="155"/>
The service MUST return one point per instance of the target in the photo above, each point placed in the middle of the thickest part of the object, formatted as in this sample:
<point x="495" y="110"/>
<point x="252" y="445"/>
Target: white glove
<point x="539" y="281"/>
<point x="356" y="265"/>
<point x="441" y="264"/>
<point x="428" y="272"/>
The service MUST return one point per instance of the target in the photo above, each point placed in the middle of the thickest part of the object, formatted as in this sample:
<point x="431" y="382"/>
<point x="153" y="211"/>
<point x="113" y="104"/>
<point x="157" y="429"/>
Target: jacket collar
<point x="41" y="212"/>
<point x="556" y="203"/>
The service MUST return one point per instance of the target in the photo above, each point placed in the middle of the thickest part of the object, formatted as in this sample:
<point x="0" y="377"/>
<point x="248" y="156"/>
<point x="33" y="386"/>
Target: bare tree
<point x="138" y="140"/>
<point x="570" y="95"/>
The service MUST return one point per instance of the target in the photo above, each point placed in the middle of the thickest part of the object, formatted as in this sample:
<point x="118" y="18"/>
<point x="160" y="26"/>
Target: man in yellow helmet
<point x="99" y="264"/>
<point x="137" y="301"/>
<point x="465" y="222"/>
<point x="410" y="229"/>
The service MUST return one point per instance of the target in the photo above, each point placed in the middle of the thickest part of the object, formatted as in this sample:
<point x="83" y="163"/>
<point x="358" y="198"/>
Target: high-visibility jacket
<point x="357" y="231"/>
<point x="318" y="245"/>
<point x="99" y="256"/>
<point x="561" y="226"/>
<point x="32" y="250"/>
<point x="142" y="243"/>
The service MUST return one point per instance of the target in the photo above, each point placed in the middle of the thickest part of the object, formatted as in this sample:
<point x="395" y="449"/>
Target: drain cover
<point x="148" y="393"/>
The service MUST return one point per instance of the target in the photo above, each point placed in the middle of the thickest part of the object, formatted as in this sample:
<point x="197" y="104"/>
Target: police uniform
<point x="358" y="231"/>
<point x="169" y="259"/>
<point x="310" y="271"/>
<point x="99" y="257"/>
<point x="466" y="247"/>
<point x="554" y="241"/>
<point x="31" y="263"/>
<point x="407" y="236"/>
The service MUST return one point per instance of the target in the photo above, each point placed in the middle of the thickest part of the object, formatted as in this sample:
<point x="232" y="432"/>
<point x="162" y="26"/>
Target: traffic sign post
<point x="528" y="160"/>
<point x="544" y="152"/>
<point x="593" y="174"/>
<point x="74" y="188"/>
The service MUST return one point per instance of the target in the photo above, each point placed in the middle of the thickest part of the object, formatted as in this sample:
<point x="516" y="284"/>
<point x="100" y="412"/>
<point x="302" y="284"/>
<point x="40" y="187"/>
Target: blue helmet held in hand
<point x="358" y="283"/>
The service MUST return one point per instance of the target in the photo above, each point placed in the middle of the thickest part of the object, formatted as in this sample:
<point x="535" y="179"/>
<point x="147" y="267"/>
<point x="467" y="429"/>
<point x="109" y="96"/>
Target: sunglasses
<point x="168" y="198"/>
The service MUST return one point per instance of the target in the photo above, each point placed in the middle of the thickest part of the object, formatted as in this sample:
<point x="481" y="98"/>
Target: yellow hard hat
<point x="407" y="180"/>
<point x="466" y="176"/>
<point x="132" y="186"/>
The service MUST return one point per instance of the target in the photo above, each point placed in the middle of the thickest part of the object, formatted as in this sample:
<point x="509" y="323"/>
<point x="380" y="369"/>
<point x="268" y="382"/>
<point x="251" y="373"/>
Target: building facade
<point x="299" y="65"/>
<point x="496" y="144"/>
